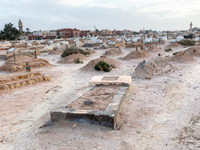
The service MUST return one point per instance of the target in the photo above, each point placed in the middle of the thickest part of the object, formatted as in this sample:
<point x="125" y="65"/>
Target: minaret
<point x="191" y="27"/>
<point x="20" y="25"/>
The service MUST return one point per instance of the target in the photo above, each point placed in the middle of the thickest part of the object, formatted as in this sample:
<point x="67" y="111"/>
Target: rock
<point x="74" y="126"/>
<point x="12" y="86"/>
<point x="88" y="102"/>
<point x="6" y="87"/>
<point x="29" y="82"/>
<point x="46" y="77"/>
<point x="37" y="80"/>
<point x="103" y="56"/>
<point x="13" y="68"/>
<point x="33" y="81"/>
<point x="41" y="79"/>
<point x="23" y="83"/>
<point x="17" y="85"/>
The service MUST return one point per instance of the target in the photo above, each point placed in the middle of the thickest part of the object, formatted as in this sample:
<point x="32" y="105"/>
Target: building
<point x="20" y="25"/>
<point x="68" y="33"/>
<point x="85" y="33"/>
<point x="23" y="38"/>
<point x="191" y="27"/>
<point x="47" y="34"/>
<point x="126" y="32"/>
<point x="37" y="33"/>
<point x="117" y="32"/>
<point x="106" y="32"/>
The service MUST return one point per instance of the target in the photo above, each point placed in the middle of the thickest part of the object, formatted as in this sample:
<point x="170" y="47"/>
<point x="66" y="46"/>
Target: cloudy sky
<point x="104" y="14"/>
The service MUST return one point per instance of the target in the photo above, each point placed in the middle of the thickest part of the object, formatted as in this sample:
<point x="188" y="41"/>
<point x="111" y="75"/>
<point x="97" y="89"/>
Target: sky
<point x="103" y="14"/>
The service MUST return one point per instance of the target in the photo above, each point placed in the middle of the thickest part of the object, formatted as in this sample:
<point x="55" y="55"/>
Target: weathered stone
<point x="17" y="85"/>
<point x="41" y="79"/>
<point x="47" y="78"/>
<point x="88" y="102"/>
<point x="23" y="83"/>
<point x="74" y="126"/>
<point x="29" y="82"/>
<point x="12" y="86"/>
<point x="37" y="80"/>
<point x="13" y="68"/>
<point x="6" y="87"/>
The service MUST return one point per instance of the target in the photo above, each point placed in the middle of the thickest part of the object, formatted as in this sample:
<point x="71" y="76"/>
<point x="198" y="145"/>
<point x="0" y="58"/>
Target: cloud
<point x="113" y="14"/>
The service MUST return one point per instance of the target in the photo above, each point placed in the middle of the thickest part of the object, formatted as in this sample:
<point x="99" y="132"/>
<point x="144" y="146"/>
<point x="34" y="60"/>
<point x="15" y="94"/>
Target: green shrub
<point x="77" y="61"/>
<point x="101" y="65"/>
<point x="186" y="43"/>
<point x="73" y="50"/>
<point x="178" y="52"/>
<point x="175" y="53"/>
<point x="168" y="50"/>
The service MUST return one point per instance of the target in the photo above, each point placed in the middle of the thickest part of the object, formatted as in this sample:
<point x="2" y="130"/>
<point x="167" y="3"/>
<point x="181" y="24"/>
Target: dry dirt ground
<point x="159" y="114"/>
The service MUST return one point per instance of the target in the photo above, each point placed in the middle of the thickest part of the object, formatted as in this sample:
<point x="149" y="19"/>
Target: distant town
<point x="75" y="33"/>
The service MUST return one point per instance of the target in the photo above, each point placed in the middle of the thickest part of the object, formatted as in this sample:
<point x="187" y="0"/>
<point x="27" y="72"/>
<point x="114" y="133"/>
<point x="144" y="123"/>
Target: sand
<point x="157" y="66"/>
<point x="181" y="57"/>
<point x="57" y="52"/>
<point x="174" y="45"/>
<point x="152" y="48"/>
<point x="71" y="58"/>
<point x="90" y="66"/>
<point x="20" y="64"/>
<point x="193" y="51"/>
<point x="136" y="55"/>
<point x="113" y="52"/>
<point x="161" y="113"/>
<point x="101" y="95"/>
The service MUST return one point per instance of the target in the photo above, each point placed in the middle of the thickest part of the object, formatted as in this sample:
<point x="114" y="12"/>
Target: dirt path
<point x="162" y="113"/>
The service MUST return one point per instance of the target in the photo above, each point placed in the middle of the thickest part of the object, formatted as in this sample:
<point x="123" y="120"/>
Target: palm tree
<point x="27" y="31"/>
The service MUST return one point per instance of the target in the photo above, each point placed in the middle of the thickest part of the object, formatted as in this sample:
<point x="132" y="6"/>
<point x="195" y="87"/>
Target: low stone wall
<point x="22" y="80"/>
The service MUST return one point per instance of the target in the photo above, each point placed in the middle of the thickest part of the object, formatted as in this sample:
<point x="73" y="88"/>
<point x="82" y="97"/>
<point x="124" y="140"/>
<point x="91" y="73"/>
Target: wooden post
<point x="136" y="48"/>
<point x="35" y="54"/>
<point x="14" y="56"/>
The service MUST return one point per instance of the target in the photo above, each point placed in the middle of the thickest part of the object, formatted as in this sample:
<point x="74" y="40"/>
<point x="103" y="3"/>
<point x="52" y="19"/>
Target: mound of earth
<point x="181" y="57"/>
<point x="174" y="45"/>
<point x="129" y="46"/>
<point x="90" y="66"/>
<point x="71" y="58"/>
<point x="57" y="52"/>
<point x="136" y="55"/>
<point x="194" y="51"/>
<point x="146" y="69"/>
<point x="20" y="63"/>
<point x="153" y="48"/>
<point x="113" y="52"/>
<point x="90" y="51"/>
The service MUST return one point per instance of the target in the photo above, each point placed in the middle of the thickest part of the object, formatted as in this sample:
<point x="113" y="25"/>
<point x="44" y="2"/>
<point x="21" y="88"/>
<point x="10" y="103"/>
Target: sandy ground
<point x="159" y="114"/>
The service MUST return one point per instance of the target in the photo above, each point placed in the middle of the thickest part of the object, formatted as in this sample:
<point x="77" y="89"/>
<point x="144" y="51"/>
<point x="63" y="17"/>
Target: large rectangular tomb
<point x="98" y="104"/>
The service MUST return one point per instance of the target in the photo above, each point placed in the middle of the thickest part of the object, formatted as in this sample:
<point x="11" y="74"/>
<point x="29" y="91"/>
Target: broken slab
<point x="107" y="117"/>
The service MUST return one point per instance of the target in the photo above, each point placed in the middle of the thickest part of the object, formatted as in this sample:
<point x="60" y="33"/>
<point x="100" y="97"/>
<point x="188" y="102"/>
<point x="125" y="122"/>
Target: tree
<point x="97" y="31"/>
<point x="9" y="32"/>
<point x="28" y="31"/>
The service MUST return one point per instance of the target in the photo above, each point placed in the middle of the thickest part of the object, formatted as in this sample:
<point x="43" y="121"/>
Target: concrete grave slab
<point x="106" y="117"/>
<point x="106" y="80"/>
